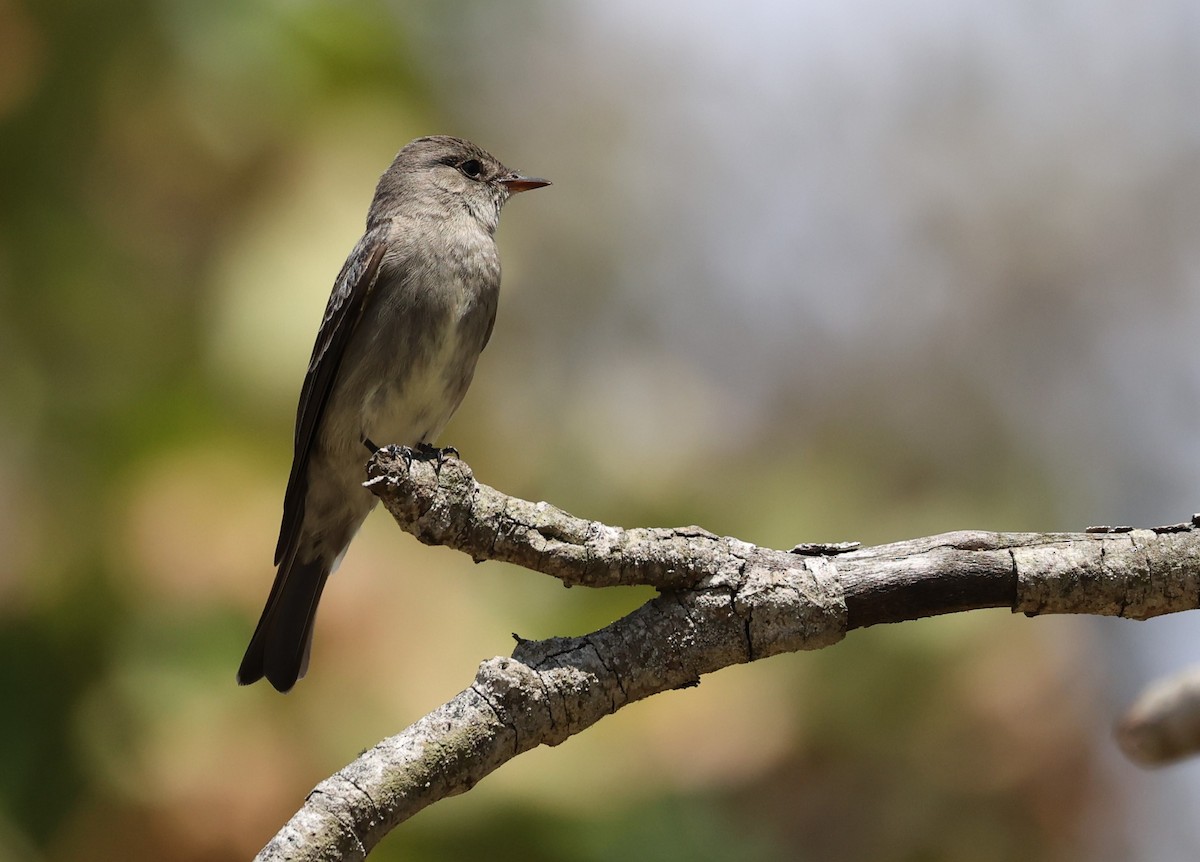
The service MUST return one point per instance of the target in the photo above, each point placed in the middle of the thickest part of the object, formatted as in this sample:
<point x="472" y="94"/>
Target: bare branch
<point x="722" y="602"/>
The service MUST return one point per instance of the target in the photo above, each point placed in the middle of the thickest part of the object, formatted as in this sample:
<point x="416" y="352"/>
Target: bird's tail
<point x="281" y="643"/>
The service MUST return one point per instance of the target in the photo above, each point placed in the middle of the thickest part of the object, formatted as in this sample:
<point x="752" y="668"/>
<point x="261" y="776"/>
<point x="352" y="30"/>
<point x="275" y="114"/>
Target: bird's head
<point x="441" y="175"/>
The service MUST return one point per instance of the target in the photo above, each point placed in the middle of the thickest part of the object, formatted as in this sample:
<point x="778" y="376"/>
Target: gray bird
<point x="410" y="312"/>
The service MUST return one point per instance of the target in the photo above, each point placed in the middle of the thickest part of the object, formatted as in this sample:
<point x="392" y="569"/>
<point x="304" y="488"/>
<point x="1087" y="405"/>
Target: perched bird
<point x="410" y="312"/>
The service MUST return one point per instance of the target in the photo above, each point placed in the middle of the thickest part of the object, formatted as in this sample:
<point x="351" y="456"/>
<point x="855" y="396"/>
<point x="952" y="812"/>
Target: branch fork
<point x="721" y="602"/>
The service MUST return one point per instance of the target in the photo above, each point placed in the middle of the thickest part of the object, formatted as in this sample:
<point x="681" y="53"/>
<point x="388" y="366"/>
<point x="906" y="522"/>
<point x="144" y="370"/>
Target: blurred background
<point x="808" y="271"/>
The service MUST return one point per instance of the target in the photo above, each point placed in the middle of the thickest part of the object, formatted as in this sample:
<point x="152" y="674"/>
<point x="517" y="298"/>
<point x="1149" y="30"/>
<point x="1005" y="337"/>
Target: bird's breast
<point x="431" y="328"/>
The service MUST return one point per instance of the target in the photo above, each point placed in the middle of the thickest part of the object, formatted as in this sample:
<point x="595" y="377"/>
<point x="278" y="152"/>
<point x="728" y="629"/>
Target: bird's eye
<point x="472" y="168"/>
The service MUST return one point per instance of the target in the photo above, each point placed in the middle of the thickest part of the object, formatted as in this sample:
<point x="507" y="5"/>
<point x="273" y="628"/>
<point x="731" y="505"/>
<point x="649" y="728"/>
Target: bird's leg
<point x="371" y="447"/>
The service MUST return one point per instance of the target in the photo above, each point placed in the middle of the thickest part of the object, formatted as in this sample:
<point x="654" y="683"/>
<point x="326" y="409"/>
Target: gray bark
<point x="722" y="601"/>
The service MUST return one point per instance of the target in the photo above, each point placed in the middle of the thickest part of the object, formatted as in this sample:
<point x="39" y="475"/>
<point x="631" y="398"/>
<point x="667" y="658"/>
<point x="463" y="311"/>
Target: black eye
<point x="472" y="168"/>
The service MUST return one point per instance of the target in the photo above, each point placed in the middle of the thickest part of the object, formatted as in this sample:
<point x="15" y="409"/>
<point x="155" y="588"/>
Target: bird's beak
<point x="517" y="183"/>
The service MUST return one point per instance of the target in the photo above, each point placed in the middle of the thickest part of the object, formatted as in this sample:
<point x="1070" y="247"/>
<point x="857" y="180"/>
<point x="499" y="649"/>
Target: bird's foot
<point x="441" y="453"/>
<point x="420" y="452"/>
<point x="438" y="453"/>
<point x="824" y="549"/>
<point x="399" y="453"/>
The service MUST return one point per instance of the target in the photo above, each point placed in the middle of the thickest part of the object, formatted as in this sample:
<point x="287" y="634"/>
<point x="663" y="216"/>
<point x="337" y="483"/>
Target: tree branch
<point x="722" y="601"/>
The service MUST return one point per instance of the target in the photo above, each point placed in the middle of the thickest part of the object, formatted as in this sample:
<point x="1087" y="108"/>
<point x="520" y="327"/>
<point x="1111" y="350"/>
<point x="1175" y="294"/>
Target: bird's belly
<point x="415" y="403"/>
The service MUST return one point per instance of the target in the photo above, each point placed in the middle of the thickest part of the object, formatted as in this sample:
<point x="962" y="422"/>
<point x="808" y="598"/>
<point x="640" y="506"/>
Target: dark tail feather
<point x="281" y="643"/>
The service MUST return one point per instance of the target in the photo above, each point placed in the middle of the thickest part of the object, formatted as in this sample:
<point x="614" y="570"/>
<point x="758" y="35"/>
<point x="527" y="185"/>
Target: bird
<point x="409" y="314"/>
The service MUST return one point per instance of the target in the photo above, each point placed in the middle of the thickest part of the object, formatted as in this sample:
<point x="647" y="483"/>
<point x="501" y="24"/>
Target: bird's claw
<point x="400" y="453"/>
<point x="422" y="451"/>
<point x="438" y="453"/>
<point x="824" y="549"/>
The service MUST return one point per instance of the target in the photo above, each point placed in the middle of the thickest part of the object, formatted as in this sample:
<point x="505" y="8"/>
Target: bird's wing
<point x="491" y="324"/>
<point x="351" y="290"/>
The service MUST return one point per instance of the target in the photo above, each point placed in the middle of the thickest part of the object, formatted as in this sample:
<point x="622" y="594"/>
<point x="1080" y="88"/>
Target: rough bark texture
<point x="722" y="602"/>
